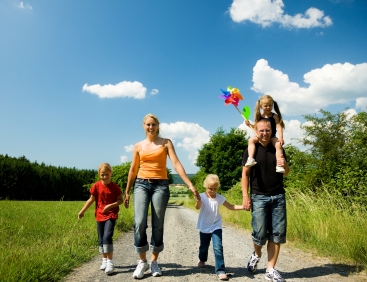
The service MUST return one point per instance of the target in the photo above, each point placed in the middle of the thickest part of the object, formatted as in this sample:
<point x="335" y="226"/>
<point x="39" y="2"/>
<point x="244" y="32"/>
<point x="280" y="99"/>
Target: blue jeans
<point x="105" y="233"/>
<point x="157" y="195"/>
<point x="269" y="219"/>
<point x="205" y="238"/>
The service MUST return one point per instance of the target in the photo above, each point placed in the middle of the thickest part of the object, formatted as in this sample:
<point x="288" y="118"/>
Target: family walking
<point x="264" y="165"/>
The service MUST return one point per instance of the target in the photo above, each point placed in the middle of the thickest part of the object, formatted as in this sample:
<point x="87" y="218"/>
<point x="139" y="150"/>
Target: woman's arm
<point x="179" y="168"/>
<point x="133" y="171"/>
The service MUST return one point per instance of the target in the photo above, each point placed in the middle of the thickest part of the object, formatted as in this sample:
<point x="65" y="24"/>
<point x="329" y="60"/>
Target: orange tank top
<point x="153" y="163"/>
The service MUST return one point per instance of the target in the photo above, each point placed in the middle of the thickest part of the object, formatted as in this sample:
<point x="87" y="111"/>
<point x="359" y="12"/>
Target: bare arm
<point x="198" y="204"/>
<point x="282" y="162"/>
<point x="88" y="203"/>
<point x="246" y="203"/>
<point x="115" y="204"/>
<point x="180" y="169"/>
<point x="132" y="173"/>
<point x="232" y="207"/>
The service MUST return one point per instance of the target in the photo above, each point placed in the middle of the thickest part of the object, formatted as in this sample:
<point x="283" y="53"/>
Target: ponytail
<point x="276" y="108"/>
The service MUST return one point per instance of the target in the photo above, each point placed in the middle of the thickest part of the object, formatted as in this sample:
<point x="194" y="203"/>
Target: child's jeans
<point x="205" y="238"/>
<point x="105" y="233"/>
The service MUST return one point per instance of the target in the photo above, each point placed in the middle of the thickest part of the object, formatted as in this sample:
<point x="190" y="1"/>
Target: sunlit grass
<point x="43" y="241"/>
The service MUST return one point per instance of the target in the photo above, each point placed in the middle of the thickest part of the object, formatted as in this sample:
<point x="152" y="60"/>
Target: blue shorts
<point x="269" y="219"/>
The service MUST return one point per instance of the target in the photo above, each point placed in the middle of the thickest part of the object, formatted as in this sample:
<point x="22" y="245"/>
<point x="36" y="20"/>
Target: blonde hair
<point x="211" y="179"/>
<point x="104" y="166"/>
<point x="153" y="117"/>
<point x="275" y="106"/>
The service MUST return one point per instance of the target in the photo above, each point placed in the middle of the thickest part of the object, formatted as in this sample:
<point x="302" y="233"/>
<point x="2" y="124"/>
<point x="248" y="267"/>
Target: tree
<point x="222" y="155"/>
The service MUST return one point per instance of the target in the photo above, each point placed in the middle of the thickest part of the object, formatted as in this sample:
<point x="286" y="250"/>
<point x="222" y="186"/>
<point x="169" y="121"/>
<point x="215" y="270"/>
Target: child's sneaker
<point x="274" y="276"/>
<point x="201" y="264"/>
<point x="103" y="265"/>
<point x="154" y="268"/>
<point x="280" y="169"/>
<point x="252" y="263"/>
<point x="140" y="269"/>
<point x="250" y="162"/>
<point x="109" y="267"/>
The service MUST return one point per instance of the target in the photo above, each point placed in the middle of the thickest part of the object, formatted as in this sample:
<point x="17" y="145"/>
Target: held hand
<point x="246" y="204"/>
<point x="126" y="201"/>
<point x="281" y="161"/>
<point x="247" y="123"/>
<point x="196" y="193"/>
<point x="281" y="141"/>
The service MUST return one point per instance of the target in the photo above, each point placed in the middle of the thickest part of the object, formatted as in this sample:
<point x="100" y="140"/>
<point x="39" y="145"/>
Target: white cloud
<point x="266" y="12"/>
<point x="124" y="159"/>
<point x="361" y="103"/>
<point x="154" y="91"/>
<point x="331" y="84"/>
<point x="129" y="148"/>
<point x="24" y="6"/>
<point x="191" y="136"/>
<point x="122" y="89"/>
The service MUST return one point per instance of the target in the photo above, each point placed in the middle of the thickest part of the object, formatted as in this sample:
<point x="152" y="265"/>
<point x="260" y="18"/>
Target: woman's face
<point x="150" y="126"/>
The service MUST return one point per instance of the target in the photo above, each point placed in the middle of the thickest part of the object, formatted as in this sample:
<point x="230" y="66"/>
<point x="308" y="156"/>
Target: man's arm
<point x="246" y="202"/>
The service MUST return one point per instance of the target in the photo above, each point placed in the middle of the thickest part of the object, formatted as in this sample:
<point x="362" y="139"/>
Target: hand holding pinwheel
<point x="233" y="96"/>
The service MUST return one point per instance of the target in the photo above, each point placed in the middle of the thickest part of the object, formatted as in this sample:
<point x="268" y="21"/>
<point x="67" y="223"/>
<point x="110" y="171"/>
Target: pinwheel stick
<point x="251" y="126"/>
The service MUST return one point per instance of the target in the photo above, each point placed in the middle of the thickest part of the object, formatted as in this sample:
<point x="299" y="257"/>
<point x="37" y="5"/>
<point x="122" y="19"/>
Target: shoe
<point x="252" y="263"/>
<point x="154" y="268"/>
<point x="103" y="265"/>
<point x="201" y="264"/>
<point x="274" y="276"/>
<point x="280" y="169"/>
<point x="222" y="276"/>
<point x="140" y="269"/>
<point x="250" y="162"/>
<point x="109" y="267"/>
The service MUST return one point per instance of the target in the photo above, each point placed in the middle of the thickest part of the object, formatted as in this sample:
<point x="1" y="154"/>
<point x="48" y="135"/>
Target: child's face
<point x="105" y="176"/>
<point x="212" y="189"/>
<point x="266" y="106"/>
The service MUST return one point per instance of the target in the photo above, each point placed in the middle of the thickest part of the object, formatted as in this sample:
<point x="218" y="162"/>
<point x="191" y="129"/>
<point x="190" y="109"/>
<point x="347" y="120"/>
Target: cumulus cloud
<point x="331" y="84"/>
<point x="24" y="6"/>
<point x="154" y="91"/>
<point x="124" y="89"/>
<point x="129" y="148"/>
<point x="361" y="103"/>
<point x="266" y="12"/>
<point x="189" y="136"/>
<point x="124" y="159"/>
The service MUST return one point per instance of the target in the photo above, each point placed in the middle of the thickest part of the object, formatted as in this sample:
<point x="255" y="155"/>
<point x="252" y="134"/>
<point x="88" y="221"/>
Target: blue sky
<point x="77" y="77"/>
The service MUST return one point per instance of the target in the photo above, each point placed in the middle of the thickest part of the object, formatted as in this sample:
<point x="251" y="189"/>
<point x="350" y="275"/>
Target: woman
<point x="151" y="187"/>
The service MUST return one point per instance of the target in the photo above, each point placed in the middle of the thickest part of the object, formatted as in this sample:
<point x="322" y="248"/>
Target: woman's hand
<point x="126" y="200"/>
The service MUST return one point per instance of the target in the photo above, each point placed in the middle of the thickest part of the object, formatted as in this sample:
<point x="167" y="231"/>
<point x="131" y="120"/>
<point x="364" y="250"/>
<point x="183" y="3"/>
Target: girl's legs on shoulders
<point x="251" y="151"/>
<point x="278" y="153"/>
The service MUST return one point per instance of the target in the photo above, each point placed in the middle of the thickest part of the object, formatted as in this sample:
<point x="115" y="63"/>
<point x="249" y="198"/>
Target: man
<point x="267" y="201"/>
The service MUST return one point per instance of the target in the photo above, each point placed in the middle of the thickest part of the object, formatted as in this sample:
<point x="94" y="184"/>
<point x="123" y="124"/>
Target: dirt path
<point x="179" y="258"/>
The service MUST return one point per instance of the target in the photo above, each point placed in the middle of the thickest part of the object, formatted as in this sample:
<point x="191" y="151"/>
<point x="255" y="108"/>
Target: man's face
<point x="264" y="131"/>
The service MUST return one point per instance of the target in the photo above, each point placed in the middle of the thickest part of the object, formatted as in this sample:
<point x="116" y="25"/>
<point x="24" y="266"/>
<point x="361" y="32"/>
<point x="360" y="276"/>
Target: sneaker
<point x="280" y="169"/>
<point x="274" y="276"/>
<point x="252" y="263"/>
<point x="154" y="268"/>
<point x="222" y="276"/>
<point x="140" y="269"/>
<point x="250" y="162"/>
<point x="103" y="265"/>
<point x="109" y="267"/>
<point x="201" y="264"/>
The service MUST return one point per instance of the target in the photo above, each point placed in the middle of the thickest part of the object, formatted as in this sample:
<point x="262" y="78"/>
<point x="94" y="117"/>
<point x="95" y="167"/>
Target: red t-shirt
<point x="105" y="195"/>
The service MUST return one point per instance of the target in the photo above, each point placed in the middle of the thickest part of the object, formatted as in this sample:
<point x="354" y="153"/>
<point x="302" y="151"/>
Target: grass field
<point x="43" y="241"/>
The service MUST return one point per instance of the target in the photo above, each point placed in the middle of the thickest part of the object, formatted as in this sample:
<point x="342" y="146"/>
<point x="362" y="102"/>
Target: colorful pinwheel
<point x="233" y="96"/>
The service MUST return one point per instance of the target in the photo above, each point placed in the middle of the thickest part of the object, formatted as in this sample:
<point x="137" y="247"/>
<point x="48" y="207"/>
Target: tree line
<point x="21" y="179"/>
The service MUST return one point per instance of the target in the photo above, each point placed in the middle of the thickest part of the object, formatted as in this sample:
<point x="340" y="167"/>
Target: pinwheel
<point x="233" y="96"/>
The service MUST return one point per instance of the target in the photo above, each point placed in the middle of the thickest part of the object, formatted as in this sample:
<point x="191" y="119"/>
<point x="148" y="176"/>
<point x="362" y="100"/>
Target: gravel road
<point x="179" y="258"/>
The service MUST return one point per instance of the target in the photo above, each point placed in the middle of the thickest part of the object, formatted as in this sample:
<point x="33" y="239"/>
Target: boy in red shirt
<point x="108" y="197"/>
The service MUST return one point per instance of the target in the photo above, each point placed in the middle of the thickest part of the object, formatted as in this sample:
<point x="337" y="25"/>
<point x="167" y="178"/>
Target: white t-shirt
<point x="209" y="218"/>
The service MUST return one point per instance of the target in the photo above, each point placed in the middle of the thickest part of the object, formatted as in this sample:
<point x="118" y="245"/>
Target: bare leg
<point x="143" y="256"/>
<point x="273" y="253"/>
<point x="155" y="256"/>
<point x="278" y="153"/>
<point x="251" y="146"/>
<point x="258" y="250"/>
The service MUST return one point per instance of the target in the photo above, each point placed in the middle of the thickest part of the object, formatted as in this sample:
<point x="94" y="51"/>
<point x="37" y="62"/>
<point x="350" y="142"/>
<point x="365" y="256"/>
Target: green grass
<point x="44" y="241"/>
<point x="322" y="223"/>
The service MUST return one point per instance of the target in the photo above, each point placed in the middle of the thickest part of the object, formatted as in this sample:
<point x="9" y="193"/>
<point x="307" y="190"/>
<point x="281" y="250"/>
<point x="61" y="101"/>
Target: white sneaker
<point x="140" y="269"/>
<point x="250" y="162"/>
<point x="154" y="268"/>
<point x="280" y="169"/>
<point x="109" y="267"/>
<point x="103" y="265"/>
